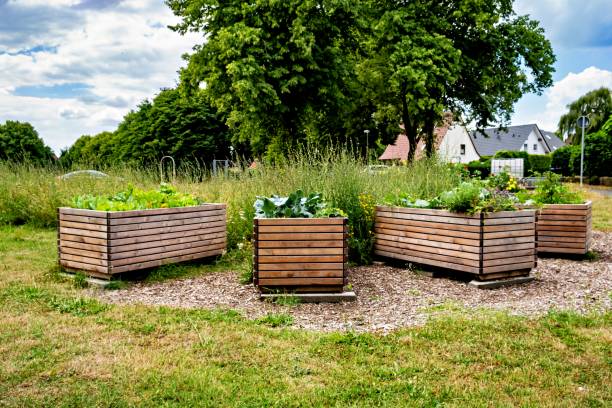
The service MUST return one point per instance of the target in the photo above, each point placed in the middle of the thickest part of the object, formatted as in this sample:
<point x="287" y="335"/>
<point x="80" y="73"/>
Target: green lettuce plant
<point x="296" y="205"/>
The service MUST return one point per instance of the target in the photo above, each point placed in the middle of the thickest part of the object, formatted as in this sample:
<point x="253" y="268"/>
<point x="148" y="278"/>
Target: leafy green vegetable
<point x="296" y="205"/>
<point x="552" y="191"/>
<point x="136" y="199"/>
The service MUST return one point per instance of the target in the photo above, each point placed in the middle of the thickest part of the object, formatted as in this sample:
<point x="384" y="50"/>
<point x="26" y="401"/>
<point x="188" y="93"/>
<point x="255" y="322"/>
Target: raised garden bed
<point x="104" y="243"/>
<point x="490" y="246"/>
<point x="300" y="254"/>
<point x="564" y="228"/>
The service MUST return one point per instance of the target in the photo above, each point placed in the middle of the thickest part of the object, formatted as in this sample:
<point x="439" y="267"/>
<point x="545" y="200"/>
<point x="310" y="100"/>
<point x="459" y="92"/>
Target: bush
<point x="562" y="160"/>
<point x="481" y="168"/>
<point x="539" y="163"/>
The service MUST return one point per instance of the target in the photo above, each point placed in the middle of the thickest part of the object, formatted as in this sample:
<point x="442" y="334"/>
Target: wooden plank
<point x="427" y="255"/>
<point x="80" y="245"/>
<point x="78" y="211"/>
<point x="567" y="206"/>
<point x="553" y="244"/>
<point x="428" y="224"/>
<point x="508" y="241"/>
<point x="429" y="243"/>
<point x="299" y="266"/>
<point x="300" y="251"/>
<point x="168" y="217"/>
<point x="545" y="249"/>
<point x="82" y="232"/>
<point x="573" y="234"/>
<point x="510" y="214"/>
<point x="338" y="243"/>
<point x="502" y="275"/>
<point x="509" y="261"/>
<point x="512" y="227"/>
<point x="165" y="248"/>
<point x="167" y="254"/>
<point x="509" y="234"/>
<point x="303" y="258"/>
<point x="545" y="217"/>
<point x="81" y="266"/>
<point x="319" y="273"/>
<point x="300" y="281"/>
<point x="509" y="221"/>
<point x="430" y="218"/>
<point x="169" y="235"/>
<point x="84" y="253"/>
<point x="159" y="262"/>
<point x="580" y="228"/>
<point x="424" y="261"/>
<point x="264" y="229"/>
<point x="428" y="249"/>
<point x="157" y="211"/>
<point x="425" y="211"/>
<point x="544" y="238"/>
<point x="82" y="219"/>
<point x="84" y="259"/>
<point x="83" y="226"/>
<point x="426" y="228"/>
<point x="510" y="247"/>
<point x="155" y="243"/>
<point x="301" y="236"/>
<point x="505" y="254"/>
<point x="550" y="211"/>
<point x="512" y="267"/>
<point x="436" y="240"/>
<point x="81" y="239"/>
<point x="301" y="221"/>
<point x="201" y="227"/>
<point x="166" y="224"/>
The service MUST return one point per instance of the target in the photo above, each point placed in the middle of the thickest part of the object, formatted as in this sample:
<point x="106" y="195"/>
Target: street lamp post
<point x="367" y="133"/>
<point x="583" y="122"/>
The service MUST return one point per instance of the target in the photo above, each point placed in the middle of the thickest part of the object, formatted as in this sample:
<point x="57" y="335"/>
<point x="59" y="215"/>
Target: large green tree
<point x="19" y="142"/>
<point x="473" y="57"/>
<point x="278" y="69"/>
<point x="187" y="128"/>
<point x="597" y="104"/>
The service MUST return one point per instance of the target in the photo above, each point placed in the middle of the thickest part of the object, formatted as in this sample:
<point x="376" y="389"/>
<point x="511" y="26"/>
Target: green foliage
<point x="20" y="143"/>
<point x="562" y="160"/>
<point x="597" y="104"/>
<point x="296" y="205"/>
<point x="539" y="163"/>
<point x="464" y="198"/>
<point x="136" y="199"/>
<point x="503" y="182"/>
<point x="276" y="320"/>
<point x="184" y="127"/>
<point x="598" y="152"/>
<point x="552" y="191"/>
<point x="480" y="168"/>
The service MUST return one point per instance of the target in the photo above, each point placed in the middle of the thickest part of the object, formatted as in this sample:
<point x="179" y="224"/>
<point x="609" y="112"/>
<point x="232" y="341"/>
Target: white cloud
<point x="546" y="110"/>
<point x="122" y="52"/>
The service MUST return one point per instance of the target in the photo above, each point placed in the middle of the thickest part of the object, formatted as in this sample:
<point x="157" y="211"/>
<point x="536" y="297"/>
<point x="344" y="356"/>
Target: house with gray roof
<point x="526" y="138"/>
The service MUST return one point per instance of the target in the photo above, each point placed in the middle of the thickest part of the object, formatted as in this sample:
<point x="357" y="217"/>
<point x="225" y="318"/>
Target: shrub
<point x="561" y="160"/>
<point x="480" y="168"/>
<point x="552" y="191"/>
<point x="539" y="163"/>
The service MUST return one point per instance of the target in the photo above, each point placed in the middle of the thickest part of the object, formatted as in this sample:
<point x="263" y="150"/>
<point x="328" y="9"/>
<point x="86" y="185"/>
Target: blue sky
<point x="74" y="67"/>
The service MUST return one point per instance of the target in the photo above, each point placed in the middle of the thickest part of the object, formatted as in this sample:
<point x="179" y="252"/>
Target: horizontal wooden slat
<point x="541" y="227"/>
<point x="445" y="229"/>
<point x="315" y="236"/>
<point x="201" y="228"/>
<point x="510" y="214"/>
<point x="425" y="261"/>
<point x="544" y="238"/>
<point x="82" y="232"/>
<point x="550" y="211"/>
<point x="509" y="247"/>
<point x="556" y="244"/>
<point x="165" y="249"/>
<point x="83" y="226"/>
<point x="430" y="243"/>
<point x="84" y="252"/>
<point x="561" y="223"/>
<point x="174" y="210"/>
<point x="170" y="235"/>
<point x="553" y="250"/>
<point x="504" y="275"/>
<point x="299" y="266"/>
<point x="572" y="234"/>
<point x="511" y="227"/>
<point x="512" y="267"/>
<point x="81" y="212"/>
<point x="509" y="261"/>
<point x="81" y="266"/>
<point x="63" y="243"/>
<point x="544" y="217"/>
<point x="168" y="216"/>
<point x="159" y="262"/>
<point x="426" y="211"/>
<point x="338" y="243"/>
<point x="436" y="240"/>
<point x="508" y="241"/>
<point x="82" y="218"/>
<point x="508" y="234"/>
<point x="509" y="221"/>
<point x="83" y="259"/>
<point x="300" y="221"/>
<point x="167" y="254"/>
<point x="425" y="227"/>
<point x="300" y="251"/>
<point x="319" y="273"/>
<point x="81" y="239"/>
<point x="474" y="255"/>
<point x="170" y="223"/>
<point x="427" y="255"/>
<point x="263" y="229"/>
<point x="156" y="243"/>
<point x="302" y="258"/>
<point x="430" y="218"/>
<point x="506" y="254"/>
<point x="567" y="206"/>
<point x="300" y="281"/>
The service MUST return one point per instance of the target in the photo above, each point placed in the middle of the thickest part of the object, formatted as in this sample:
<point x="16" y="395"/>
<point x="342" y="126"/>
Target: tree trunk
<point x="429" y="134"/>
<point x="410" y="128"/>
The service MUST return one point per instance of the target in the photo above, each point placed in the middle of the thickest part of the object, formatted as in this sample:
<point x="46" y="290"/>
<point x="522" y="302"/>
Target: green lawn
<point x="59" y="349"/>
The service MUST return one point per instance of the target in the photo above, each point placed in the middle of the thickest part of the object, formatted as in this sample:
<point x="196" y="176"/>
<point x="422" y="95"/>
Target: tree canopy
<point x="597" y="104"/>
<point x="19" y="142"/>
<point x="187" y="128"/>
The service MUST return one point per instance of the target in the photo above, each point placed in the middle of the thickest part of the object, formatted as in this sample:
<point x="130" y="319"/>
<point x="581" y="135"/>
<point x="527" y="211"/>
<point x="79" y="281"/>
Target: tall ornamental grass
<point x="31" y="195"/>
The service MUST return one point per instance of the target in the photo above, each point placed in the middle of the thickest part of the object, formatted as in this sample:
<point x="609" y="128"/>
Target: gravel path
<point x="391" y="297"/>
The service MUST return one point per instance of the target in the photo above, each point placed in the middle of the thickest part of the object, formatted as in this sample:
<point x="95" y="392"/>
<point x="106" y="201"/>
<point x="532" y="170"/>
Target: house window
<point x="535" y="147"/>
<point x="525" y="147"/>
<point x="462" y="148"/>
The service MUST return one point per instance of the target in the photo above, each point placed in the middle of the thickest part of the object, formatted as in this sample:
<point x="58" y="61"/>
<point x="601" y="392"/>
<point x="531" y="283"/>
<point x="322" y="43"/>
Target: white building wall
<point x="532" y="140"/>
<point x="450" y="148"/>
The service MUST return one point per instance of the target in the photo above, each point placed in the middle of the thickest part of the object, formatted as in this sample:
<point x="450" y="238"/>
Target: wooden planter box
<point x="490" y="246"/>
<point x="565" y="228"/>
<point x="300" y="254"/>
<point x="104" y="243"/>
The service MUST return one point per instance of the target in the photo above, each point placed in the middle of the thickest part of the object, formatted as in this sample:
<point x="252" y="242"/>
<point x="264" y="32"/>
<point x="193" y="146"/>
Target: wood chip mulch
<point x="392" y="297"/>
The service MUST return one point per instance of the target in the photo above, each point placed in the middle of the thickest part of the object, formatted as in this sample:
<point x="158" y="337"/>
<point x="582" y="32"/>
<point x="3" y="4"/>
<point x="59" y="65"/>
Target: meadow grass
<point x="60" y="348"/>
